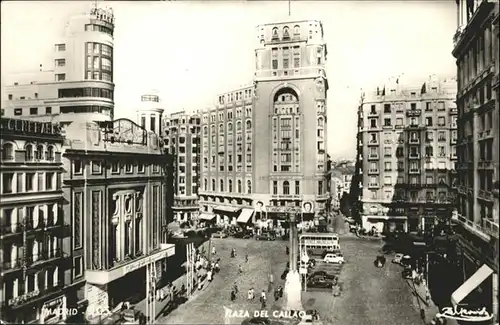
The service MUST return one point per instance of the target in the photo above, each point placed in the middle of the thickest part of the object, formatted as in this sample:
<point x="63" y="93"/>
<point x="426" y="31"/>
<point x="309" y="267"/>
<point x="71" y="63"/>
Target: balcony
<point x="373" y="171"/>
<point x="373" y="156"/>
<point x="414" y="156"/>
<point x="414" y="113"/>
<point x="44" y="257"/>
<point x="12" y="265"/>
<point x="484" y="164"/>
<point x="490" y="226"/>
<point x="485" y="195"/>
<point x="414" y="170"/>
<point x="414" y="141"/>
<point x="12" y="229"/>
<point x="475" y="228"/>
<point x="373" y="185"/>
<point x="453" y="111"/>
<point x="373" y="143"/>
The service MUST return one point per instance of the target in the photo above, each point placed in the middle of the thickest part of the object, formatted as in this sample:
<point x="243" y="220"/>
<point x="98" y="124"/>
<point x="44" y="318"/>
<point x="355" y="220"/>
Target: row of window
<point x="229" y="115"/>
<point x="414" y="196"/>
<point x="400" y="107"/>
<point x="248" y="127"/>
<point x="87" y="109"/>
<point x="85" y="92"/>
<point x="98" y="28"/>
<point x="413" y="121"/>
<point x="413" y="136"/>
<point x="30" y="182"/>
<point x="485" y="123"/>
<point x="230" y="186"/>
<point x="32" y="111"/>
<point x="239" y="95"/>
<point x="32" y="153"/>
<point x="96" y="167"/>
<point x="413" y="151"/>
<point x="99" y="62"/>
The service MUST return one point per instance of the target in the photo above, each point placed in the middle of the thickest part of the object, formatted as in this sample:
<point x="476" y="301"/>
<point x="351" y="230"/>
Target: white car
<point x="336" y="258"/>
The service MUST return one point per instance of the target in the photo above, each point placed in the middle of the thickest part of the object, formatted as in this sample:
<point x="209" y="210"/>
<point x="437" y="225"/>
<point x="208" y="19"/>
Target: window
<point x="77" y="167"/>
<point x="60" y="47"/>
<point x="18" y="111"/>
<point x="30" y="181"/>
<point x="49" y="181"/>
<point x="441" y="121"/>
<point x="286" y="188"/>
<point x="441" y="136"/>
<point x="373" y="123"/>
<point x="78" y="264"/>
<point x="60" y="76"/>
<point x="221" y="185"/>
<point x="429" y="136"/>
<point x="429" y="180"/>
<point x="428" y="121"/>
<point x="213" y="185"/>
<point x="441" y="106"/>
<point x="387" y="108"/>
<point x="297" y="187"/>
<point x="33" y="110"/>
<point x="48" y="110"/>
<point x="275" y="64"/>
<point x="249" y="187"/>
<point x="60" y="62"/>
<point x="399" y="121"/>
<point x="387" y="166"/>
<point x="387" y="180"/>
<point x="275" y="187"/>
<point x="387" y="151"/>
<point x="115" y="167"/>
<point x="296" y="62"/>
<point x="8" y="151"/>
<point x="7" y="181"/>
<point x="429" y="151"/>
<point x="428" y="107"/>
<point x="10" y="97"/>
<point x="96" y="167"/>
<point x="413" y="106"/>
<point x="239" y="186"/>
<point x="387" y="122"/>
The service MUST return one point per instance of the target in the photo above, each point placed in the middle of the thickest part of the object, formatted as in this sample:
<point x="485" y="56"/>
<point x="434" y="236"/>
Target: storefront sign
<point x="282" y="209"/>
<point x="33" y="127"/>
<point x="143" y="262"/>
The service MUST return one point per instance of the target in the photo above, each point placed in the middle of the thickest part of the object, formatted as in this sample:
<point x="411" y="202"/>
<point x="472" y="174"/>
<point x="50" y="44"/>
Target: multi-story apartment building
<point x="406" y="154"/>
<point x="263" y="147"/>
<point x="115" y="187"/>
<point x="181" y="134"/>
<point x="476" y="53"/>
<point x="340" y="182"/>
<point x="80" y="85"/>
<point x="35" y="237"/>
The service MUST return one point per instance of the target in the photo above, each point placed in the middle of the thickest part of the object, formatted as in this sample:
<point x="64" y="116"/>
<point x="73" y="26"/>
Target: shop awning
<point x="226" y="208"/>
<point x="245" y="215"/>
<point x="206" y="216"/>
<point x="472" y="283"/>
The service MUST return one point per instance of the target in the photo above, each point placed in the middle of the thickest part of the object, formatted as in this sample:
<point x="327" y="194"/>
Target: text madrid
<point x="241" y="313"/>
<point x="60" y="312"/>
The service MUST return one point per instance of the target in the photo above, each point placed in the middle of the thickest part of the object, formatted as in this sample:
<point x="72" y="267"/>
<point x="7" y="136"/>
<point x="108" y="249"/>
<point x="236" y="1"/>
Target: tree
<point x="345" y="205"/>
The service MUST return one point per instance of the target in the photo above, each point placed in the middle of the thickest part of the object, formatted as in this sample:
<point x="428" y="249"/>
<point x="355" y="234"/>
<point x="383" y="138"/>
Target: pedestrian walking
<point x="235" y="288"/>
<point x="240" y="269"/>
<point x="263" y="299"/>
<point x="246" y="258"/>
<point x="233" y="295"/>
<point x="213" y="250"/>
<point x="249" y="294"/>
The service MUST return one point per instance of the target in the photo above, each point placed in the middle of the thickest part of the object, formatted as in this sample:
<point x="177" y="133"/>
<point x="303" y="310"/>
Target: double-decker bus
<point x="318" y="241"/>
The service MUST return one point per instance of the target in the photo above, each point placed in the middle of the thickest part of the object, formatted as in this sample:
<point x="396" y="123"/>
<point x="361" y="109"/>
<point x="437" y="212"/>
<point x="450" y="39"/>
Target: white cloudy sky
<point x="192" y="50"/>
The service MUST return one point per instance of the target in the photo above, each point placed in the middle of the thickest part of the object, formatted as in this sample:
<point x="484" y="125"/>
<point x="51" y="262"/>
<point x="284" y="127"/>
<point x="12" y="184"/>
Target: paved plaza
<point x="370" y="295"/>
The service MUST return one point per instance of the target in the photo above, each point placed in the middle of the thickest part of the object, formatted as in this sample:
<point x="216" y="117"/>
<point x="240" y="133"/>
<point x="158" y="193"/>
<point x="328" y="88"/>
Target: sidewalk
<point x="430" y="308"/>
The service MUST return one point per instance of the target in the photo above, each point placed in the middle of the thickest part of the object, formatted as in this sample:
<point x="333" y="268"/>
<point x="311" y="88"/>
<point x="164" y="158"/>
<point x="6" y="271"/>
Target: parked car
<point x="336" y="258"/>
<point x="323" y="274"/>
<point x="242" y="235"/>
<point x="397" y="258"/>
<point x="407" y="273"/>
<point x="353" y="227"/>
<point x="319" y="282"/>
<point x="219" y="234"/>
<point x="265" y="236"/>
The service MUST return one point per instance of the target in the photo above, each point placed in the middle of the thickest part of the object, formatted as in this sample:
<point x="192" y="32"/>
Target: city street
<point x="370" y="296"/>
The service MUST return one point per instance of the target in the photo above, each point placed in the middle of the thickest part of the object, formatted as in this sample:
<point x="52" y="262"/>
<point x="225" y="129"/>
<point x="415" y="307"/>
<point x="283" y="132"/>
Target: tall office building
<point x="406" y="154"/>
<point x="181" y="135"/>
<point x="80" y="83"/>
<point x="476" y="52"/>
<point x="264" y="147"/>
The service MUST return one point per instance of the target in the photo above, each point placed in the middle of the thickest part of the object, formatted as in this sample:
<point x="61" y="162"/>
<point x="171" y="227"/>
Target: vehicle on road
<point x="323" y="274"/>
<point x="319" y="282"/>
<point x="407" y="273"/>
<point x="311" y="317"/>
<point x="336" y="258"/>
<point x="353" y="228"/>
<point x="242" y="235"/>
<point x="257" y="321"/>
<point x="219" y="234"/>
<point x="265" y="236"/>
<point x="397" y="258"/>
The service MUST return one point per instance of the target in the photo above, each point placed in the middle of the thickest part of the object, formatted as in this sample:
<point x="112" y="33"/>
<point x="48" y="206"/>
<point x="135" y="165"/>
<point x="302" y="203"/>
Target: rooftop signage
<point x="29" y="127"/>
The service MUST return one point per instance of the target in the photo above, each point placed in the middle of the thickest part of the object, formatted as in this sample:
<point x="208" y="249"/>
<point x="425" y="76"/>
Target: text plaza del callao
<point x="236" y="213"/>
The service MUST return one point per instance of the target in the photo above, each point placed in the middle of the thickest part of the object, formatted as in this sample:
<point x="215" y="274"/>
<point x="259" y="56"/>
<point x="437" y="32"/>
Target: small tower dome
<point x="150" y="111"/>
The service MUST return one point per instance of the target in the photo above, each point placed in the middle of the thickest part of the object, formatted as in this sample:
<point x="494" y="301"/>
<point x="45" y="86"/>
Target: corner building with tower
<point x="264" y="147"/>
